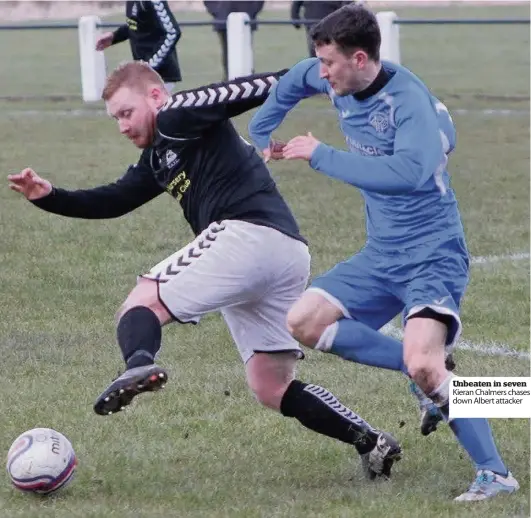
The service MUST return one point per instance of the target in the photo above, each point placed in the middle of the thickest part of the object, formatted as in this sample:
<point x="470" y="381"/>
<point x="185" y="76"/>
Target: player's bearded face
<point x="339" y="69"/>
<point x="135" y="113"/>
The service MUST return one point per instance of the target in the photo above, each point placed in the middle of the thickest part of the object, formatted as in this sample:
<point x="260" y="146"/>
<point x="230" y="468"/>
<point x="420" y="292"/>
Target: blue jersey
<point x="399" y="140"/>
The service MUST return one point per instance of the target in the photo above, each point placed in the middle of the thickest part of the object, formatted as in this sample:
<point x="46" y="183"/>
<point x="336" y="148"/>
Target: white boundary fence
<point x="239" y="46"/>
<point x="240" y="51"/>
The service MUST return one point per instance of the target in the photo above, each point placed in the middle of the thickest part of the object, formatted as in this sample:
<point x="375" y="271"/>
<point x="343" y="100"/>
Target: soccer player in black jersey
<point x="248" y="259"/>
<point x="153" y="33"/>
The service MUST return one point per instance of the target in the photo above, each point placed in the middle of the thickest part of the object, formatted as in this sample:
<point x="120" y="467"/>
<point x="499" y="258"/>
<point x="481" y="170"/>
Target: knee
<point x="303" y="327"/>
<point x="308" y="319"/>
<point x="424" y="369"/>
<point x="418" y="368"/>
<point x="144" y="294"/>
<point x="269" y="394"/>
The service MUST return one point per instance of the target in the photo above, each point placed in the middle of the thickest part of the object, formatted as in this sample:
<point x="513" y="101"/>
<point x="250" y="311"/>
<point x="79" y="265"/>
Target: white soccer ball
<point x="41" y="461"/>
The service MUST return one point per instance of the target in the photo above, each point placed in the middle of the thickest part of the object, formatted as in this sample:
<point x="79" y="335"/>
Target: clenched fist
<point x="274" y="151"/>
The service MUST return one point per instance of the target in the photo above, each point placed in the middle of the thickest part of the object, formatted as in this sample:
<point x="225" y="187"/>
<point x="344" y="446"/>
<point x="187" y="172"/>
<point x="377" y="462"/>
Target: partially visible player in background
<point x="153" y="33"/>
<point x="247" y="261"/>
<point x="220" y="10"/>
<point x="313" y="10"/>
<point x="415" y="260"/>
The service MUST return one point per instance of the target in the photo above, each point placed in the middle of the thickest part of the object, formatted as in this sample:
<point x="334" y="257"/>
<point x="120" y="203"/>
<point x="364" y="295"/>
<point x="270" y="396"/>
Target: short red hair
<point x="136" y="75"/>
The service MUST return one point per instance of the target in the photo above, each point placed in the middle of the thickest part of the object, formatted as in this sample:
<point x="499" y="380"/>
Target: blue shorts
<point x="374" y="285"/>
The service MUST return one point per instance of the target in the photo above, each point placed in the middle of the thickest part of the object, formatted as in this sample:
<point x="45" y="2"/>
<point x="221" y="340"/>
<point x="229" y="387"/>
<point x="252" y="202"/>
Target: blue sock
<point x="475" y="436"/>
<point x="357" y="342"/>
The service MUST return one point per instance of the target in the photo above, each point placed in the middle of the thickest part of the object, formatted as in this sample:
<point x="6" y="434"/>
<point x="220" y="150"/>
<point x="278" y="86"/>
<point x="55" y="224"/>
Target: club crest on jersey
<point x="379" y="121"/>
<point x="171" y="158"/>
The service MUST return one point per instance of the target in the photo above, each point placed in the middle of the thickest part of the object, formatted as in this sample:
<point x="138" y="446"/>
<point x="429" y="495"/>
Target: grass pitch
<point x="203" y="447"/>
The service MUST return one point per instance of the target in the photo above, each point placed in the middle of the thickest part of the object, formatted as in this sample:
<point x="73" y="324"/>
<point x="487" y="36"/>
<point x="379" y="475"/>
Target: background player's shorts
<point x="252" y="274"/>
<point x="375" y="285"/>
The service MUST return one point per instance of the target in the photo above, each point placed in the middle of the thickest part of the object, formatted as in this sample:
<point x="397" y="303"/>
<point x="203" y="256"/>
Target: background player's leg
<point x="309" y="42"/>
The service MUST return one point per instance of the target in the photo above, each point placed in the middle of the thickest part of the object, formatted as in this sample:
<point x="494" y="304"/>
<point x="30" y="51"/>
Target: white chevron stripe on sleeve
<point x="218" y="94"/>
<point x="171" y="34"/>
<point x="235" y="91"/>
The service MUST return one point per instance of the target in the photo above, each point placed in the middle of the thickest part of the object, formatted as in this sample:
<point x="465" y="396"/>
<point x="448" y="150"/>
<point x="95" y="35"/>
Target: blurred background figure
<point x="313" y="10"/>
<point x="153" y="33"/>
<point x="220" y="11"/>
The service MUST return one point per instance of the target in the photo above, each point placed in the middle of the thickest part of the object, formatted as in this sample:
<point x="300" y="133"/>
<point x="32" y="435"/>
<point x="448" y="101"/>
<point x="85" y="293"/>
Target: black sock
<point x="320" y="411"/>
<point x="139" y="335"/>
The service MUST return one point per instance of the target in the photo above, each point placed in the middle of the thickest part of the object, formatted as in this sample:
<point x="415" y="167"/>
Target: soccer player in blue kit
<point x="415" y="260"/>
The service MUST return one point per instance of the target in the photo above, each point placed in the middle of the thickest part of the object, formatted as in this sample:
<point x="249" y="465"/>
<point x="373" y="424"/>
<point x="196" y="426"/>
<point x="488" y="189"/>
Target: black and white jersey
<point x="198" y="158"/>
<point x="152" y="32"/>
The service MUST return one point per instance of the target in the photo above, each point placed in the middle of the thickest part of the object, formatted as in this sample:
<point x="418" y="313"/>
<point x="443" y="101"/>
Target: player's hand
<point x="301" y="147"/>
<point x="274" y="151"/>
<point x="104" y="41"/>
<point x="29" y="184"/>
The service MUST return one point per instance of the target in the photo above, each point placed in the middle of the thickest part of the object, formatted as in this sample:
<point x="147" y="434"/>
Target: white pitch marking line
<point x="486" y="349"/>
<point x="489" y="259"/>
<point x="489" y="348"/>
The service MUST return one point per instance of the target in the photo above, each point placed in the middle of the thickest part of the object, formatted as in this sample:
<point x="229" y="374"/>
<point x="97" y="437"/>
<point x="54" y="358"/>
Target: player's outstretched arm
<point x="104" y="40"/>
<point x="29" y="184"/>
<point x="187" y="114"/>
<point x="300" y="82"/>
<point x="120" y="34"/>
<point x="418" y="154"/>
<point x="134" y="189"/>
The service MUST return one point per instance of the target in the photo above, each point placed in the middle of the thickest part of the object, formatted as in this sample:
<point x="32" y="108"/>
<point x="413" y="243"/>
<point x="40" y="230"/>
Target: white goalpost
<point x="239" y="45"/>
<point x="239" y="49"/>
<point x="93" y="69"/>
<point x="390" y="46"/>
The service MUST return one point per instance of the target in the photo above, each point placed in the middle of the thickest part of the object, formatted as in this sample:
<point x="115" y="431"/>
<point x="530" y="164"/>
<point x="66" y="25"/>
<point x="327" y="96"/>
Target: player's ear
<point x="158" y="95"/>
<point x="360" y="58"/>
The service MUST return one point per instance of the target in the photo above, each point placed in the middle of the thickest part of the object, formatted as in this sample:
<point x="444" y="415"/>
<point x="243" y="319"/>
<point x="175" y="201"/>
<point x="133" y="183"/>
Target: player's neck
<point x="368" y="76"/>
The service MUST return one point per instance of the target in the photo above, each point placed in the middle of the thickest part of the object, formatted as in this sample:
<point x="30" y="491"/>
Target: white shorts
<point x="252" y="274"/>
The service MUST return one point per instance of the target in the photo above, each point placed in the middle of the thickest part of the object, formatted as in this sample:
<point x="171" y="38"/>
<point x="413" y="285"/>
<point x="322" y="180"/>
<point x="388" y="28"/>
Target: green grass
<point x="193" y="451"/>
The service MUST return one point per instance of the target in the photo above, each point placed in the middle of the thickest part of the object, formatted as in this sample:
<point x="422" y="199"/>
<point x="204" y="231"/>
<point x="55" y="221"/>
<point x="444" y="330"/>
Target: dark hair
<point x="352" y="27"/>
